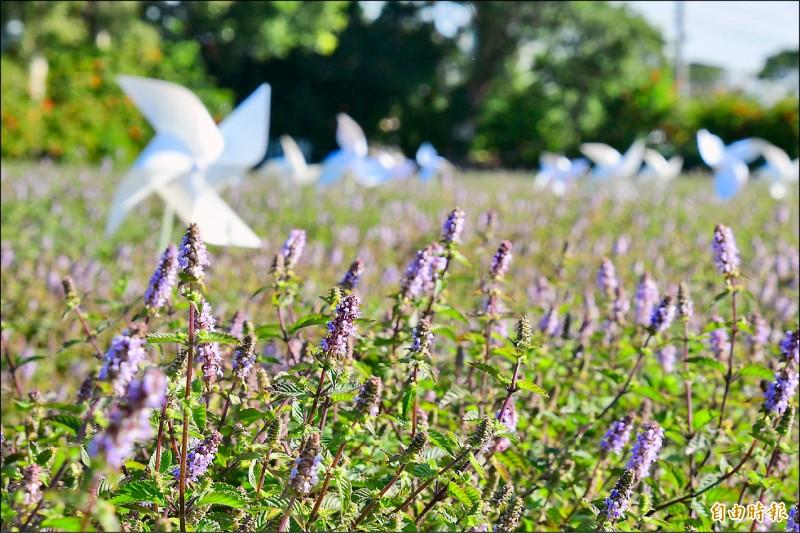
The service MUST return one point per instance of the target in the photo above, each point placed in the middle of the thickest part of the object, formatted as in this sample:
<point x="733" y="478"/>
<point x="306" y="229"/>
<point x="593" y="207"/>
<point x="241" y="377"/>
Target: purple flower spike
<point x="645" y="451"/>
<point x="452" y="227"/>
<point x="662" y="316"/>
<point x="501" y="260"/>
<point x="122" y="360"/>
<point x="726" y="254"/>
<point x="607" y="278"/>
<point x="193" y="254"/>
<point x="790" y="346"/>
<point x="341" y="327"/>
<point x="293" y="248"/>
<point x="645" y="300"/>
<point x="163" y="279"/>
<point x="353" y="275"/>
<point x="200" y="458"/>
<point x="617" y="436"/>
<point x="781" y="391"/>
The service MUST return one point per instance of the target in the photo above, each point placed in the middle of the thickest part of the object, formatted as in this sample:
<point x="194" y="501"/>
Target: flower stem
<point x="365" y="512"/>
<point x="430" y="480"/>
<point x="325" y="484"/>
<point x="631" y="375"/>
<point x="283" y="526"/>
<point x="185" y="436"/>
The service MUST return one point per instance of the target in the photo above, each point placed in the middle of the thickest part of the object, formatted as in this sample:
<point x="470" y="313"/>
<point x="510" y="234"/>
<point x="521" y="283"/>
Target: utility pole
<point x="681" y="71"/>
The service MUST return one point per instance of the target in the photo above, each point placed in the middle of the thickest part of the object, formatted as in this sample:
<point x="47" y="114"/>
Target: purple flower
<point x="245" y="357"/>
<point x="617" y="502"/>
<point x="646" y="449"/>
<point x="790" y="346"/>
<point x="617" y="436"/>
<point x="293" y="248"/>
<point x="236" y="326"/>
<point x="662" y="316"/>
<point x="621" y="305"/>
<point x="422" y="337"/>
<point x="417" y="274"/>
<point x="353" y="275"/>
<point x="200" y="458"/>
<point x="305" y="473"/>
<point x="607" y="278"/>
<point x="781" y="391"/>
<point x="368" y="400"/>
<point x="509" y="417"/>
<point x="122" y="360"/>
<point x="549" y="322"/>
<point x="793" y="521"/>
<point x="452" y="227"/>
<point x="718" y="342"/>
<point x="501" y="260"/>
<point x="341" y="327"/>
<point x="208" y="353"/>
<point x="726" y="254"/>
<point x="129" y="420"/>
<point x="667" y="356"/>
<point x="163" y="279"/>
<point x="760" y="336"/>
<point x="193" y="254"/>
<point x="645" y="299"/>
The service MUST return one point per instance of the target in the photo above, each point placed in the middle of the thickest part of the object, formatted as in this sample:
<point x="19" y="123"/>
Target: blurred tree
<point x="780" y="65"/>
<point x="705" y="75"/>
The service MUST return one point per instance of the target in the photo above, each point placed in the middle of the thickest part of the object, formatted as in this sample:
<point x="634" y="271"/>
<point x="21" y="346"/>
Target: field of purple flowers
<point x="460" y="356"/>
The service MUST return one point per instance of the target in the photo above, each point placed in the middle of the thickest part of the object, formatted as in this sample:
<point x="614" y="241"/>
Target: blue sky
<point x="734" y="35"/>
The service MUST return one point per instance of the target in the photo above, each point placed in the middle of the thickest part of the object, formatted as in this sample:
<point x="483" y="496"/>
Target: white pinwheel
<point x="610" y="164"/>
<point x="292" y="165"/>
<point x="556" y="172"/>
<point x="658" y="168"/>
<point x="190" y="158"/>
<point x="779" y="169"/>
<point x="729" y="163"/>
<point x="352" y="157"/>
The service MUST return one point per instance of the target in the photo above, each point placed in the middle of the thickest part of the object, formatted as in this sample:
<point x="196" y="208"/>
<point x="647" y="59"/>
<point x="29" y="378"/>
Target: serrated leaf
<point x="224" y="495"/>
<point x="408" y="401"/>
<point x="65" y="523"/>
<point x="423" y="471"/>
<point x="459" y="494"/>
<point x="701" y="418"/>
<point x="217" y="337"/>
<point x="288" y="388"/>
<point x="530" y="386"/>
<point x="758" y="371"/>
<point x="165" y="338"/>
<point x="71" y="422"/>
<point x="707" y="362"/>
<point x="450" y="312"/>
<point x="442" y="441"/>
<point x="138" y="491"/>
<point x="268" y="331"/>
<point x="309" y="320"/>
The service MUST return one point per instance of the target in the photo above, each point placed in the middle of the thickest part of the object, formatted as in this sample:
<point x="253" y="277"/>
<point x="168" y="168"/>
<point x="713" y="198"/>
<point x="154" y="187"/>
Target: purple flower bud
<point x="667" y="356"/>
<point x="607" y="278"/>
<point x="726" y="254"/>
<point x="193" y="255"/>
<point x="617" y="502"/>
<point x="368" y="401"/>
<point x="305" y="472"/>
<point x="662" y="315"/>
<point x="645" y="451"/>
<point x="453" y="225"/>
<point x="293" y="248"/>
<point x="760" y="336"/>
<point x="200" y="458"/>
<point x="781" y="391"/>
<point x="645" y="300"/>
<point x="501" y="260"/>
<point x="208" y="354"/>
<point x="685" y="305"/>
<point x="122" y="360"/>
<point x="163" y="279"/>
<point x="422" y="337"/>
<point x="621" y="305"/>
<point x="790" y="346"/>
<point x="509" y="418"/>
<point x="129" y="420"/>
<point x="417" y="274"/>
<point x="245" y="357"/>
<point x="617" y="436"/>
<point x="353" y="275"/>
<point x="341" y="327"/>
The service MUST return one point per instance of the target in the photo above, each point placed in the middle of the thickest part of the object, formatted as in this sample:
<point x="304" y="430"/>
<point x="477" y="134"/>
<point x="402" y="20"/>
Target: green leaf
<point x="758" y="371"/>
<point x="701" y="418"/>
<point x="315" y="319"/>
<point x="268" y="331"/>
<point x="459" y="258"/>
<point x="530" y="386"/>
<point x="423" y="471"/>
<point x="459" y="494"/>
<point x="164" y="338"/>
<point x="442" y="441"/>
<point x="65" y="523"/>
<point x="707" y="362"/>
<point x="27" y="360"/>
<point x="138" y="491"/>
<point x="450" y="312"/>
<point x="477" y="467"/>
<point x="224" y="495"/>
<point x="408" y="401"/>
<point x="288" y="388"/>
<point x="71" y="422"/>
<point x="199" y="415"/>
<point x="218" y="337"/>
